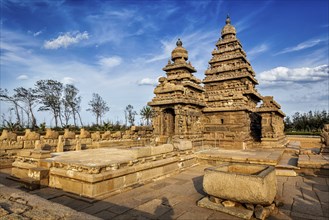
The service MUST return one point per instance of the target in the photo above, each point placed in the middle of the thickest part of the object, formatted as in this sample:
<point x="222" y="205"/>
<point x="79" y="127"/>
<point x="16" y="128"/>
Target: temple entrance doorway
<point x="169" y="122"/>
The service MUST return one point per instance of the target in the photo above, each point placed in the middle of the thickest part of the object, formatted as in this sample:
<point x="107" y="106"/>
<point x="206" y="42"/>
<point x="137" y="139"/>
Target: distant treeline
<point x="306" y="122"/>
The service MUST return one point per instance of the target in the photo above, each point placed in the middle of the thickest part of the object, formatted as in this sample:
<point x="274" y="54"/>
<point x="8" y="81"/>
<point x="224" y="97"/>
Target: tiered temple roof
<point x="230" y="80"/>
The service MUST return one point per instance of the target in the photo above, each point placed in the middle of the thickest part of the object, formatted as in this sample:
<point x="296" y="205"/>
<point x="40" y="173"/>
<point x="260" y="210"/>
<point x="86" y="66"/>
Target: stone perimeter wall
<point x="37" y="168"/>
<point x="11" y="143"/>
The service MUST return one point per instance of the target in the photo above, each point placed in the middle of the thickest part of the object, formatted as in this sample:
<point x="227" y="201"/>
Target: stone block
<point x="106" y="135"/>
<point x="117" y="135"/>
<point x="8" y="135"/>
<point x="84" y="133"/>
<point x="244" y="183"/>
<point x="145" y="175"/>
<point x="183" y="145"/>
<point x="29" y="144"/>
<point x="96" y="136"/>
<point x="38" y="173"/>
<point x="40" y="154"/>
<point x="162" y="149"/>
<point x="68" y="134"/>
<point x="235" y="211"/>
<point x="24" y="153"/>
<point x="31" y="135"/>
<point x="50" y="134"/>
<point x="141" y="151"/>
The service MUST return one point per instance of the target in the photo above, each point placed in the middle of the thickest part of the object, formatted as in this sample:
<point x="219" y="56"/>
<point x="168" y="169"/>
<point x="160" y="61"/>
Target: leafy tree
<point x="29" y="98"/>
<point x="98" y="107"/>
<point x="311" y="121"/>
<point x="147" y="113"/>
<point x="130" y="115"/>
<point x="50" y="93"/>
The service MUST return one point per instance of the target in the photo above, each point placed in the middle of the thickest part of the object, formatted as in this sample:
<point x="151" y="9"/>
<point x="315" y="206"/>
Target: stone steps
<point x="287" y="165"/>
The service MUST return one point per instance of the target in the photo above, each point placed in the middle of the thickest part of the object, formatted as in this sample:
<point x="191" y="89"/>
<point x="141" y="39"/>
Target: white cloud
<point x="147" y="82"/>
<point x="296" y="75"/>
<point x="68" y="80"/>
<point x="65" y="40"/>
<point x="109" y="62"/>
<point x="23" y="77"/>
<point x="303" y="45"/>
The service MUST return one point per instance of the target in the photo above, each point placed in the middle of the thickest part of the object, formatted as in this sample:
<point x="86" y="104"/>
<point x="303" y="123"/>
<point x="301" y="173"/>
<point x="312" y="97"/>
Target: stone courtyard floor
<point x="174" y="197"/>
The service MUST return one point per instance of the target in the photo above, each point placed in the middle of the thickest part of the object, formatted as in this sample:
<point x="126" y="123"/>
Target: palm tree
<point x="147" y="113"/>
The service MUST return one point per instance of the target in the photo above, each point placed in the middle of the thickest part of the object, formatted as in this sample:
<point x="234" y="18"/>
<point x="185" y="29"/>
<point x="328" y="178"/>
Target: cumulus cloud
<point x="147" y="82"/>
<point x="299" y="75"/>
<point x="23" y="77"/>
<point x="65" y="40"/>
<point x="109" y="62"/>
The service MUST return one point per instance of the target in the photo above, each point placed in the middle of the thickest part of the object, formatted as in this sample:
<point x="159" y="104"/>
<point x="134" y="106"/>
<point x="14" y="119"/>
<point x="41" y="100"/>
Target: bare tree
<point x="50" y="93"/>
<point x="29" y="98"/>
<point x="4" y="96"/>
<point x="130" y="114"/>
<point x="98" y="107"/>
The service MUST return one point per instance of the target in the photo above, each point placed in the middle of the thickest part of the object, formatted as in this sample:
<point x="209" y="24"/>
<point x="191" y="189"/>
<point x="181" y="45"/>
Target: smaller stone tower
<point x="178" y="99"/>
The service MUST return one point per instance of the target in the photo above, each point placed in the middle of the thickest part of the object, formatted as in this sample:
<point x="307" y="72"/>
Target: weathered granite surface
<point x="16" y="204"/>
<point x="244" y="183"/>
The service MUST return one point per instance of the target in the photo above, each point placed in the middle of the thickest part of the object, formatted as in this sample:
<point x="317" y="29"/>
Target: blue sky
<point x="118" y="48"/>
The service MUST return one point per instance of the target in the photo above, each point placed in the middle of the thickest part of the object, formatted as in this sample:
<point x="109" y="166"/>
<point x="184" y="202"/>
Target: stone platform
<point x="253" y="156"/>
<point x="97" y="172"/>
<point x="175" y="197"/>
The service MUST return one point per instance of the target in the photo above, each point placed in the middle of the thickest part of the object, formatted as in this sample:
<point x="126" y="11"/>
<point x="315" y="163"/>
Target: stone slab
<point x="255" y="156"/>
<point x="235" y="211"/>
<point x="93" y="157"/>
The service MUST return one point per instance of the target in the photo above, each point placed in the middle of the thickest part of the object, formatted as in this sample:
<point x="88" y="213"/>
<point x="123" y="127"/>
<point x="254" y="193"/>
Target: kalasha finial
<point x="228" y="19"/>
<point x="179" y="43"/>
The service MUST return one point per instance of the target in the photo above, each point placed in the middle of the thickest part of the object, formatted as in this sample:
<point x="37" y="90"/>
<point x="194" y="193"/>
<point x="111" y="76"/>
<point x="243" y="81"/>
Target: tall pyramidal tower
<point x="230" y="118"/>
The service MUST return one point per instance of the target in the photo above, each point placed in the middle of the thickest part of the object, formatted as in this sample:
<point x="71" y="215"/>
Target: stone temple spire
<point x="179" y="54"/>
<point x="228" y="30"/>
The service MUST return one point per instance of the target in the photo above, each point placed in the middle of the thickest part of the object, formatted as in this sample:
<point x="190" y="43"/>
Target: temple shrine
<point x="227" y="111"/>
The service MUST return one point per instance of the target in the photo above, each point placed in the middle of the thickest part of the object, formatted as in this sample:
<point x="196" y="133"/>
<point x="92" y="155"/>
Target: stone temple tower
<point x="230" y="118"/>
<point x="178" y="100"/>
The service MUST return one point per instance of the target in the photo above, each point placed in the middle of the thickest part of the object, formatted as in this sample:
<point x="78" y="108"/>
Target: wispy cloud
<point x="258" y="49"/>
<point x="248" y="20"/>
<point x="65" y="40"/>
<point x="304" y="45"/>
<point x="37" y="33"/>
<point x="297" y="75"/>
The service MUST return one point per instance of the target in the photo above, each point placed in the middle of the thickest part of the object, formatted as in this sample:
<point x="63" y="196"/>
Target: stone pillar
<point x="60" y="144"/>
<point x="78" y="145"/>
